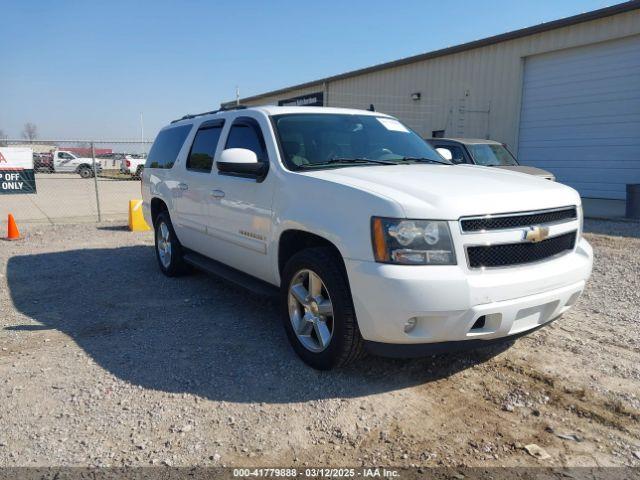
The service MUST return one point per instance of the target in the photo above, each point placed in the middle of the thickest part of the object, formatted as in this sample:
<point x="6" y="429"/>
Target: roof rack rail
<point x="222" y="109"/>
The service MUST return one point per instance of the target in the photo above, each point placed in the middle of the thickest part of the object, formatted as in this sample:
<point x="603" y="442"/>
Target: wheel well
<point x="294" y="241"/>
<point x="157" y="206"/>
<point x="83" y="165"/>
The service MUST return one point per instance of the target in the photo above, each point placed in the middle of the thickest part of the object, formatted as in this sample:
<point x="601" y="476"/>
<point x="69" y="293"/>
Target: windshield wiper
<point x="425" y="160"/>
<point x="334" y="161"/>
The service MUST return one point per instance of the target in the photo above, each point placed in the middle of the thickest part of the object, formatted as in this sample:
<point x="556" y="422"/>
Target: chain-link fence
<point x="77" y="181"/>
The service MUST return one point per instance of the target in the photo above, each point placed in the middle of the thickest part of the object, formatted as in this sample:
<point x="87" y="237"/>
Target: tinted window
<point x="204" y="149"/>
<point x="247" y="135"/>
<point x="165" y="149"/>
<point x="456" y="155"/>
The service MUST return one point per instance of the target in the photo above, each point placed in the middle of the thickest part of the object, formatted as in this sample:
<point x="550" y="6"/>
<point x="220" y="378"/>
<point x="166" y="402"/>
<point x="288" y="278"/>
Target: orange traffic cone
<point x="12" y="229"/>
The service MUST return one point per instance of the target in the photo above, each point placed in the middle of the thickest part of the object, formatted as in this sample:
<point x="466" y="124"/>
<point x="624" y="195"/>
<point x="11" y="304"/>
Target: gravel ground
<point x="104" y="361"/>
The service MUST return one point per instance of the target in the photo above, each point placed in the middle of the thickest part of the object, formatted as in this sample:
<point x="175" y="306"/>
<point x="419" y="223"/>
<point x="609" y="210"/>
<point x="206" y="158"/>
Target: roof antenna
<point x="371" y="108"/>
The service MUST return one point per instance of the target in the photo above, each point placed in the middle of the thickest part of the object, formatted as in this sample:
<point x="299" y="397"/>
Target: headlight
<point x="581" y="218"/>
<point x="412" y="242"/>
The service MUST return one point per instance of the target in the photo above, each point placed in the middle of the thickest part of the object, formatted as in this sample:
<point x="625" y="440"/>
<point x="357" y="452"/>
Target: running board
<point x="241" y="279"/>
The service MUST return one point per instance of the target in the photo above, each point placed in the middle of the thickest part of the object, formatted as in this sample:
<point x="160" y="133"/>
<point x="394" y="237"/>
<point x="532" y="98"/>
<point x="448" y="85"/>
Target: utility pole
<point x="141" y="128"/>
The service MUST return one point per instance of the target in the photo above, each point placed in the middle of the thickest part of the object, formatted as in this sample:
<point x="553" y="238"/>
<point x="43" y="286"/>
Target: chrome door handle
<point x="217" y="193"/>
<point x="183" y="186"/>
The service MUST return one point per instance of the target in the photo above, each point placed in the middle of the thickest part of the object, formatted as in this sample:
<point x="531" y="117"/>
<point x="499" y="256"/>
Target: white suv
<point x="372" y="240"/>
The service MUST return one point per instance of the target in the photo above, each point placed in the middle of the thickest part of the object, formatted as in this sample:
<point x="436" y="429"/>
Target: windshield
<point x="324" y="140"/>
<point x="491" y="155"/>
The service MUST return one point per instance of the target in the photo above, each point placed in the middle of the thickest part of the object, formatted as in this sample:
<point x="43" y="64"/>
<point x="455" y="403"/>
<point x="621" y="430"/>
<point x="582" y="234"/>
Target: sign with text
<point x="308" y="100"/>
<point x="16" y="170"/>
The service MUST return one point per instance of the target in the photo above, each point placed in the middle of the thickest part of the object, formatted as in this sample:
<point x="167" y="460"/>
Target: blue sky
<point x="86" y="69"/>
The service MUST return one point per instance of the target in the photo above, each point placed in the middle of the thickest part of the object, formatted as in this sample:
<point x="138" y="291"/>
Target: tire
<point x="345" y="344"/>
<point x="85" y="172"/>
<point x="173" y="265"/>
<point x="138" y="173"/>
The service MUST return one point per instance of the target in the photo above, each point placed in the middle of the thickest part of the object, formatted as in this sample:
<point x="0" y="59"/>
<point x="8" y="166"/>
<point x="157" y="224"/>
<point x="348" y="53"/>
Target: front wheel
<point x="317" y="310"/>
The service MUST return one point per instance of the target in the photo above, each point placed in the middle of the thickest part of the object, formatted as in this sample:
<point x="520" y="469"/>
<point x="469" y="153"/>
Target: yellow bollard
<point x="136" y="219"/>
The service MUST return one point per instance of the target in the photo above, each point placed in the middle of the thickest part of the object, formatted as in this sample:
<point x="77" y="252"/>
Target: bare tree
<point x="30" y="131"/>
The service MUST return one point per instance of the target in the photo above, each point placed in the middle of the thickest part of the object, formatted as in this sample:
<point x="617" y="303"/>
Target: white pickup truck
<point x="371" y="239"/>
<point x="69" y="162"/>
<point x="133" y="164"/>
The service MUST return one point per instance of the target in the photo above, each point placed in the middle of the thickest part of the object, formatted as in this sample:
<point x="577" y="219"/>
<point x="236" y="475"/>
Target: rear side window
<point x="246" y="133"/>
<point x="165" y="149"/>
<point x="204" y="148"/>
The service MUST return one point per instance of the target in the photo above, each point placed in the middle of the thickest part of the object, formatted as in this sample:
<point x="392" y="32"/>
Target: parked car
<point x="43" y="162"/>
<point x="371" y="239"/>
<point x="133" y="164"/>
<point x="68" y="162"/>
<point x="487" y="153"/>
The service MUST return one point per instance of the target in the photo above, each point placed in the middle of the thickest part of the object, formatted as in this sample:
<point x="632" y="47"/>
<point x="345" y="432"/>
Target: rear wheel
<point x="85" y="172"/>
<point x="317" y="310"/>
<point x="168" y="248"/>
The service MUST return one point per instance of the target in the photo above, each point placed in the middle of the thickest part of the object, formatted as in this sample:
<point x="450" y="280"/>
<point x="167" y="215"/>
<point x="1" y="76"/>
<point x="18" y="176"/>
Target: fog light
<point x="410" y="324"/>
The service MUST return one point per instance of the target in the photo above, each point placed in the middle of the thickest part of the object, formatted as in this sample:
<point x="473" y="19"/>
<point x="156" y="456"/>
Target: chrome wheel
<point x="164" y="245"/>
<point x="310" y="310"/>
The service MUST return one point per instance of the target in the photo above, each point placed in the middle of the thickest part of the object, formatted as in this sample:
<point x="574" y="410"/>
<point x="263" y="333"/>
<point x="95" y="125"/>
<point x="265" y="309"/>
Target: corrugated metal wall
<point x="580" y="116"/>
<point x="475" y="93"/>
<point x="273" y="99"/>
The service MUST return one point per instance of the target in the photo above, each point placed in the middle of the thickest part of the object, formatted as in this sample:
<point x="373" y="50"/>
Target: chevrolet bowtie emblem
<point x="536" y="234"/>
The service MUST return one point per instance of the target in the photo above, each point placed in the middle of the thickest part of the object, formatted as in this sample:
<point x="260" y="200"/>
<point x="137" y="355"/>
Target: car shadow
<point x="113" y="228"/>
<point x="194" y="334"/>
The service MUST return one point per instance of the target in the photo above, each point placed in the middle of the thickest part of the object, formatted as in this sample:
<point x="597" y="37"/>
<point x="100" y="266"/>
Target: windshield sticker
<point x="392" y="124"/>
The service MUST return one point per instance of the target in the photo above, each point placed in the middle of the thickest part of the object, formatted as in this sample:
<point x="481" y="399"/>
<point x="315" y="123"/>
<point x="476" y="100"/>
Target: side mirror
<point x="242" y="162"/>
<point x="444" y="152"/>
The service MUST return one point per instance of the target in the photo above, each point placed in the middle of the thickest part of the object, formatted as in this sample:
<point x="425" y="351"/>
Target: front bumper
<point x="415" y="350"/>
<point x="454" y="304"/>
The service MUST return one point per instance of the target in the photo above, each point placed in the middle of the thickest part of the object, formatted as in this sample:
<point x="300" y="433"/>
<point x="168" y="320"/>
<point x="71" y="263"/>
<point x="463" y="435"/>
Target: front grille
<point x="519" y="253"/>
<point x="517" y="220"/>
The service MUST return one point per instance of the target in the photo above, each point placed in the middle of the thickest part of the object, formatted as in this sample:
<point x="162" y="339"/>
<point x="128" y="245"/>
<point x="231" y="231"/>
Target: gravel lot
<point x="104" y="361"/>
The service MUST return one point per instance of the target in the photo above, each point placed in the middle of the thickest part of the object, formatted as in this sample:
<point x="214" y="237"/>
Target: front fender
<point x="336" y="212"/>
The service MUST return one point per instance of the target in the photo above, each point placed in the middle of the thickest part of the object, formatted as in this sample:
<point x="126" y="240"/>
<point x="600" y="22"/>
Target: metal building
<point x="565" y="95"/>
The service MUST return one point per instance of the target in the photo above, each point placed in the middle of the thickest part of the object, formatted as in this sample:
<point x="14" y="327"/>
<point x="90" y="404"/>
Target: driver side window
<point x="247" y="134"/>
<point x="452" y="153"/>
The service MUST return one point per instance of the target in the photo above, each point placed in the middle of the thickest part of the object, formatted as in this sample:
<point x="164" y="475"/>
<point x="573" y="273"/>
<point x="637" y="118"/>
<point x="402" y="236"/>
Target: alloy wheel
<point x="164" y="245"/>
<point x="310" y="310"/>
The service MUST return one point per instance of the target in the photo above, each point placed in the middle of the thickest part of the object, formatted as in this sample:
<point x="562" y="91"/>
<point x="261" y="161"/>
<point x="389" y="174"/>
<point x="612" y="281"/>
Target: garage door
<point x="580" y="116"/>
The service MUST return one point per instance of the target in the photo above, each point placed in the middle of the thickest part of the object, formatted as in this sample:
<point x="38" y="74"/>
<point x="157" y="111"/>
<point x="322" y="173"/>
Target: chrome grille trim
<point x="520" y="219"/>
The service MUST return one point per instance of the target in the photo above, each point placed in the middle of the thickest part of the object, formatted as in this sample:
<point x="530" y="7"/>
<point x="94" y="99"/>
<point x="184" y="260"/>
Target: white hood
<point x="450" y="191"/>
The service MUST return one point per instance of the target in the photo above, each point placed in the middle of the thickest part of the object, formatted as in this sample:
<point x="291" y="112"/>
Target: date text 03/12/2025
<point x="316" y="472"/>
